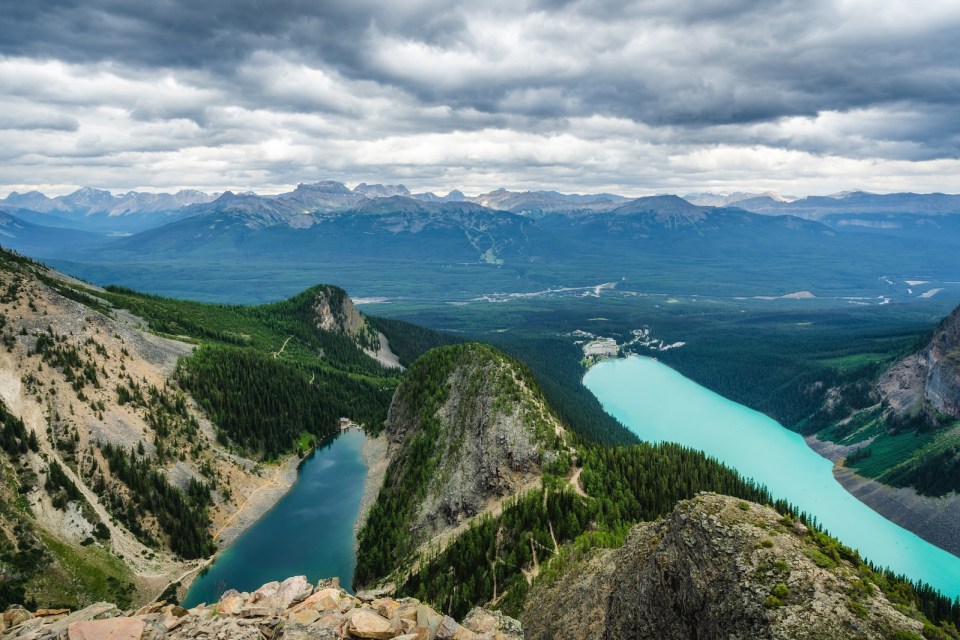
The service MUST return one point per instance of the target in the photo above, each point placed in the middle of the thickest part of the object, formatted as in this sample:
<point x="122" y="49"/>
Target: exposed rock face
<point x="495" y="435"/>
<point x="291" y="610"/>
<point x="716" y="567"/>
<point x="931" y="376"/>
<point x="334" y="311"/>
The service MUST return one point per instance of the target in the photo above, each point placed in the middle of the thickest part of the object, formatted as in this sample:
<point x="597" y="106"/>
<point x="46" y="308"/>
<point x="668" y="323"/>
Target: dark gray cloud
<point x="508" y="88"/>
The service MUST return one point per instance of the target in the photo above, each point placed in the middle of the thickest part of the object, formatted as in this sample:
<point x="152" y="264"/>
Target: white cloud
<point x="803" y="97"/>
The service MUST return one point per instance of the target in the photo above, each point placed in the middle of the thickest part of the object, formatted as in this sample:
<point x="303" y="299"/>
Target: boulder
<point x="305" y="616"/>
<point x="14" y="616"/>
<point x="232" y="602"/>
<point x="427" y="618"/>
<point x="322" y="600"/>
<point x="110" y="629"/>
<point x="448" y="628"/>
<point x="364" y="623"/>
<point x="386" y="607"/>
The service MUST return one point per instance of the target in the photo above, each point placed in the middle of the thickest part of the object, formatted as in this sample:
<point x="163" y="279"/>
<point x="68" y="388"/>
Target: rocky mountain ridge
<point x="293" y="610"/>
<point x="467" y="430"/>
<point x="716" y="567"/>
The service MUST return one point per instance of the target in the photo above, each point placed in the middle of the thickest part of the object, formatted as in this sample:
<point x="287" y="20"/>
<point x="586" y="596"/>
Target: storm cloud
<point x="636" y="97"/>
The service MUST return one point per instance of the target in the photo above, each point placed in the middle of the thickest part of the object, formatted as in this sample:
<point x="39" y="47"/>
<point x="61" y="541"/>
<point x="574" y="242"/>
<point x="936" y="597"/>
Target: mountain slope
<point x="904" y="430"/>
<point x="716" y="567"/>
<point x="856" y="202"/>
<point x="133" y="428"/>
<point x="893" y="428"/>
<point x="466" y="429"/>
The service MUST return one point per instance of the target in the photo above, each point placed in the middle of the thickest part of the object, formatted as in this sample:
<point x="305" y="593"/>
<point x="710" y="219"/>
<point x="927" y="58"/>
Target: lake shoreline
<point x="659" y="404"/>
<point x="936" y="520"/>
<point x="258" y="503"/>
<point x="299" y="522"/>
<point x="376" y="456"/>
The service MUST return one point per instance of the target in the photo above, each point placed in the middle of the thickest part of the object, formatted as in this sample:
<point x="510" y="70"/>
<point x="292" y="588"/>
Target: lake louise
<point x="659" y="404"/>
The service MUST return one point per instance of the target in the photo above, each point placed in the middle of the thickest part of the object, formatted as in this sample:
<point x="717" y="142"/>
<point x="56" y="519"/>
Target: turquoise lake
<point x="659" y="404"/>
<point x="308" y="532"/>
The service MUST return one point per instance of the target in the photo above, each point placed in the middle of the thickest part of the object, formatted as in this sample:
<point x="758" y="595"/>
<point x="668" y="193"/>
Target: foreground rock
<point x="291" y="609"/>
<point x="716" y="567"/>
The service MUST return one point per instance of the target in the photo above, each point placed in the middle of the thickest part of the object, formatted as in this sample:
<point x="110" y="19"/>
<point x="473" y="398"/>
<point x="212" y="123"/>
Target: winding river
<point x="308" y="532"/>
<point x="659" y="404"/>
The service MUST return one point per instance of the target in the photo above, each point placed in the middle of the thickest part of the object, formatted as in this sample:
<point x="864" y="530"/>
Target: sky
<point x="797" y="96"/>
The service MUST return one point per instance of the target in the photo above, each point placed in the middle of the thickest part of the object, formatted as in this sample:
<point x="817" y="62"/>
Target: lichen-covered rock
<point x="716" y="567"/>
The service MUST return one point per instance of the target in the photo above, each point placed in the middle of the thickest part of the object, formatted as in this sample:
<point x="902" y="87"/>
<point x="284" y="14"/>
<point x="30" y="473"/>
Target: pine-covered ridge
<point x="267" y="374"/>
<point x="468" y="427"/>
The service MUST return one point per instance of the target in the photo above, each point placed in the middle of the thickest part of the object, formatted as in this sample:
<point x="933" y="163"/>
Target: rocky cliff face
<point x="291" y="610"/>
<point x="333" y="310"/>
<point x="467" y="429"/>
<point x="929" y="379"/>
<point x="716" y="567"/>
<point x="494" y="435"/>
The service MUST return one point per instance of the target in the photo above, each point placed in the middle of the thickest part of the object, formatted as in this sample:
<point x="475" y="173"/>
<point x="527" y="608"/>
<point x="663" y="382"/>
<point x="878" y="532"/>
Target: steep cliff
<point x="333" y="310"/>
<point x="716" y="567"/>
<point x="929" y="380"/>
<point x="467" y="428"/>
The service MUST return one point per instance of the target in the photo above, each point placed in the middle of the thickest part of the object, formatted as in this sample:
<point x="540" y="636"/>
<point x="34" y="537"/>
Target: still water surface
<point x="659" y="404"/>
<point x="308" y="532"/>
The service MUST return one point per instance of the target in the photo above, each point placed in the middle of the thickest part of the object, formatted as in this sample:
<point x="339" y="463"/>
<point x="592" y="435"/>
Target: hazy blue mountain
<point x="44" y="242"/>
<point x="97" y="210"/>
<point x="454" y="196"/>
<point x="538" y="203"/>
<point x="32" y="200"/>
<point x="671" y="219"/>
<point x="381" y="190"/>
<point x="384" y="230"/>
<point x="726" y="199"/>
<point x="857" y="202"/>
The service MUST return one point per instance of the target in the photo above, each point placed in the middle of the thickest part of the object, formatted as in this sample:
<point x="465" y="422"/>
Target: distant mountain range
<point x="98" y="210"/>
<point x="760" y="245"/>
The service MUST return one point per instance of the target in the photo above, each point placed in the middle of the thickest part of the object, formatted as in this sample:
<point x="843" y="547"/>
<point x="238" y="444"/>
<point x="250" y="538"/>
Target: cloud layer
<point x="796" y="95"/>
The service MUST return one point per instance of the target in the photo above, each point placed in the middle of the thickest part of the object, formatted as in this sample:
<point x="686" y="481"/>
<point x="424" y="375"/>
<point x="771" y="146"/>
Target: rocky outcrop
<point x="716" y="567"/>
<point x="930" y="378"/>
<point x="291" y="609"/>
<point x="334" y="311"/>
<point x="494" y="433"/>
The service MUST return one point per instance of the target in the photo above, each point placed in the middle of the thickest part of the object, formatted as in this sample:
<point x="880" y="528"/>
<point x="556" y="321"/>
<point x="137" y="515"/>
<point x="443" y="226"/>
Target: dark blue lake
<point x="308" y="532"/>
